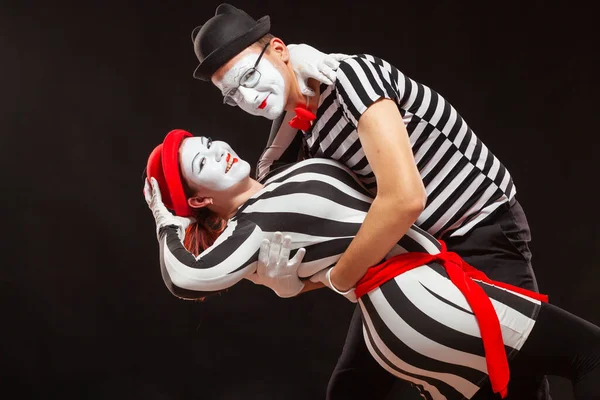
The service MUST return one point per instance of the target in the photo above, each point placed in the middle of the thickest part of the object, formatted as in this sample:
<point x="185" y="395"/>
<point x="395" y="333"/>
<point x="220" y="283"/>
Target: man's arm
<point x="401" y="195"/>
<point x="310" y="286"/>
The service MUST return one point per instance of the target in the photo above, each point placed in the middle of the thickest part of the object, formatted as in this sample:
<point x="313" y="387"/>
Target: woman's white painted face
<point x="257" y="88"/>
<point x="211" y="165"/>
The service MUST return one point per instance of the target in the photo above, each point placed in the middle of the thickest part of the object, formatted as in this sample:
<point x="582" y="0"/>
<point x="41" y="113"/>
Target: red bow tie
<point x="302" y="119"/>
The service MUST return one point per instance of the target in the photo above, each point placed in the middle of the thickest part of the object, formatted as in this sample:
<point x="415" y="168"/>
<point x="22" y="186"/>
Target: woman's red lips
<point x="230" y="164"/>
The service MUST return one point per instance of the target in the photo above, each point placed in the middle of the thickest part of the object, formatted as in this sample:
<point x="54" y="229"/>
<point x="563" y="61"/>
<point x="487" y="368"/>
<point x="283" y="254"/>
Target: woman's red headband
<point x="163" y="165"/>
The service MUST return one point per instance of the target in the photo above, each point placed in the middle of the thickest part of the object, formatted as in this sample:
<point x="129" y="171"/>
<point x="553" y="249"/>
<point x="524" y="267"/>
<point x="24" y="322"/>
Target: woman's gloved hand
<point x="309" y="62"/>
<point x="162" y="216"/>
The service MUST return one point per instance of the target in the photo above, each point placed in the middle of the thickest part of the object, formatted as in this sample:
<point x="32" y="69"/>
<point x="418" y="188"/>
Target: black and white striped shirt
<point x="464" y="181"/>
<point x="318" y="202"/>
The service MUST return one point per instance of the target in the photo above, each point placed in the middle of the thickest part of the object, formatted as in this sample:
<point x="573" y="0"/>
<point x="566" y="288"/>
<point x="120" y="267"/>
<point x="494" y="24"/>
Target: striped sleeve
<point x="232" y="257"/>
<point x="361" y="81"/>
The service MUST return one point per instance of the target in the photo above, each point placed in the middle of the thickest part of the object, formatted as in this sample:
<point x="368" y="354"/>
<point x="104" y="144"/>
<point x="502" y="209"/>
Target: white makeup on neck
<point x="266" y="98"/>
<point x="211" y="165"/>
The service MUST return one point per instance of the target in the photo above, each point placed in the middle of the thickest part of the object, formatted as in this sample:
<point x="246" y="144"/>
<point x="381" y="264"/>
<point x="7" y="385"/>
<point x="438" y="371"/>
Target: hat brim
<point x="222" y="55"/>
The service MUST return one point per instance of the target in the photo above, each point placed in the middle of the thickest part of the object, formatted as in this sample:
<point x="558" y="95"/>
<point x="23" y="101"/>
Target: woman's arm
<point x="285" y="143"/>
<point x="283" y="147"/>
<point x="232" y="257"/>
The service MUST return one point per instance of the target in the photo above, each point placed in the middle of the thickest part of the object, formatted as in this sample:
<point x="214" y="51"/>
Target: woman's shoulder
<point x="310" y="165"/>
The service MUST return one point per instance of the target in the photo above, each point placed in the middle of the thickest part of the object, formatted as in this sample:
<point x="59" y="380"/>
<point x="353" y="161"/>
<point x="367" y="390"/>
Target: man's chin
<point x="268" y="115"/>
<point x="271" y="113"/>
<point x="274" y="113"/>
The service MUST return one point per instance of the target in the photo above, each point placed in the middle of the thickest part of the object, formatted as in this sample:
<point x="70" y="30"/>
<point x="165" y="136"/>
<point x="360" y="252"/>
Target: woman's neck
<point x="228" y="209"/>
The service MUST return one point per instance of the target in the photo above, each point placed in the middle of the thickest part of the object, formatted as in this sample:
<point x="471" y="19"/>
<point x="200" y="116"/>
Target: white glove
<point x="162" y="216"/>
<point x="309" y="62"/>
<point x="275" y="269"/>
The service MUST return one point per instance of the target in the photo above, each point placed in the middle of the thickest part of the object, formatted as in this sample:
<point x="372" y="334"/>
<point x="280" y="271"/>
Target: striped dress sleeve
<point x="361" y="81"/>
<point x="232" y="257"/>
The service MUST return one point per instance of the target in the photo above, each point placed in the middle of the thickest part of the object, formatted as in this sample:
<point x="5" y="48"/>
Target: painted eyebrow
<point x="202" y="139"/>
<point x="193" y="161"/>
<point x="241" y="71"/>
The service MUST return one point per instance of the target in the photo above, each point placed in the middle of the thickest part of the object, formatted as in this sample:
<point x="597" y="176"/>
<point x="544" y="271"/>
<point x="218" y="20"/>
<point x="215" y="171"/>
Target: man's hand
<point x="324" y="277"/>
<point x="162" y="216"/>
<point x="275" y="269"/>
<point x="309" y="62"/>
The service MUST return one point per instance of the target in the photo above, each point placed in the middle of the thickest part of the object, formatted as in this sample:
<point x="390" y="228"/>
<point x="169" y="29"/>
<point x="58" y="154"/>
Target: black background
<point x="88" y="89"/>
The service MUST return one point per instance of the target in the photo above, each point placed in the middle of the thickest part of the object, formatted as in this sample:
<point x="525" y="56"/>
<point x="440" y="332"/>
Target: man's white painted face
<point x="255" y="85"/>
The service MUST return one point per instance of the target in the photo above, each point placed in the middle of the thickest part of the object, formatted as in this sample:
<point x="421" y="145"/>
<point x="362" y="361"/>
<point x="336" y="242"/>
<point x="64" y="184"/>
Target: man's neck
<point x="305" y="101"/>
<point x="313" y="102"/>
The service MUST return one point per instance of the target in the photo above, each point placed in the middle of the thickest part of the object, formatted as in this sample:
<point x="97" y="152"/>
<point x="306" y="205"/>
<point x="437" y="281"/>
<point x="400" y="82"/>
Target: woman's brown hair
<point x="201" y="234"/>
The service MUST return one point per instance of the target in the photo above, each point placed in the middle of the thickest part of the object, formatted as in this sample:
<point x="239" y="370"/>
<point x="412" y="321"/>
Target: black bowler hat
<point x="224" y="36"/>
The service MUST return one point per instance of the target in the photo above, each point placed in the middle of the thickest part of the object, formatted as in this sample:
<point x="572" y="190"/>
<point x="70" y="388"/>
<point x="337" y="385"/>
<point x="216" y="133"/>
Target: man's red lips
<point x="264" y="103"/>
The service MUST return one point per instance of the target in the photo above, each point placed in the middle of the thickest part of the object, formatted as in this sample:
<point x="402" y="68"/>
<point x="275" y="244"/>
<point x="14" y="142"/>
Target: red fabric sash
<point x="461" y="274"/>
